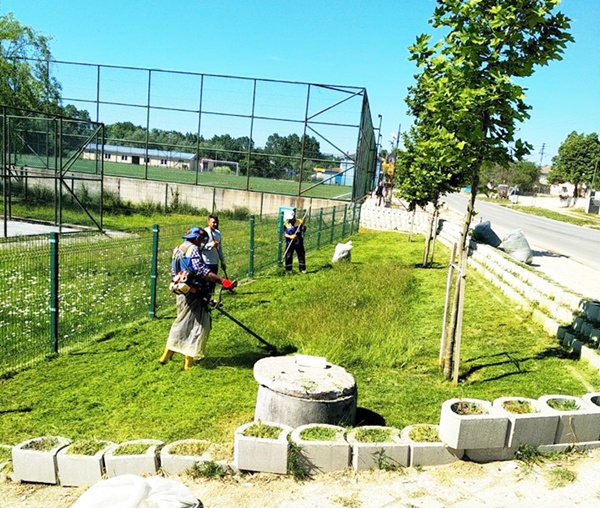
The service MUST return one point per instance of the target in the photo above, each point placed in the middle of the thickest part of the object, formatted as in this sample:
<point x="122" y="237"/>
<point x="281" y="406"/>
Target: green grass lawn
<point x="379" y="317"/>
<point x="210" y="179"/>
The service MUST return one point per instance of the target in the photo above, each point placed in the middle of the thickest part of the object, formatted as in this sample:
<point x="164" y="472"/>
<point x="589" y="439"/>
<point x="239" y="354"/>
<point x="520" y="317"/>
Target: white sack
<point x="132" y="491"/>
<point x="342" y="252"/>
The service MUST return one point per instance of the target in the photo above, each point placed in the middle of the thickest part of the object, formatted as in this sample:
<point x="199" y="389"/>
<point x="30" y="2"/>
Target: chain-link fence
<point x="62" y="291"/>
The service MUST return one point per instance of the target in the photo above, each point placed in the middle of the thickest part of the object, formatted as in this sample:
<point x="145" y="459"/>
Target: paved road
<point x="575" y="242"/>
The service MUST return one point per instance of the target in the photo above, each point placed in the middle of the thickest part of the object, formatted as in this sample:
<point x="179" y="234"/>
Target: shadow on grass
<point x="365" y="417"/>
<point x="246" y="359"/>
<point x="551" y="352"/>
<point x="431" y="266"/>
<point x="17" y="410"/>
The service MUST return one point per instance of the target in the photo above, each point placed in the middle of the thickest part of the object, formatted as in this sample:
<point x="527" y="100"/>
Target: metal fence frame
<point x="54" y="169"/>
<point x="313" y="121"/>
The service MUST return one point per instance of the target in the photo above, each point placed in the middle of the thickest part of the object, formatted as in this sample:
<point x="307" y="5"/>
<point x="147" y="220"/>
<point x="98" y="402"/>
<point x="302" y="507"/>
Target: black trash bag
<point x="516" y="246"/>
<point x="483" y="233"/>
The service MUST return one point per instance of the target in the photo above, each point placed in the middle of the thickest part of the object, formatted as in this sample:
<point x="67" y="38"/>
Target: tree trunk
<point x="456" y="321"/>
<point x="436" y="215"/>
<point x="412" y="223"/>
<point x="428" y="240"/>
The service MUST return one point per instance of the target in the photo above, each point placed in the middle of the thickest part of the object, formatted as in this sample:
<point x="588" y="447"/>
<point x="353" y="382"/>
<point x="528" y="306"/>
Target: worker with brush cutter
<point x="191" y="283"/>
<point x="294" y="241"/>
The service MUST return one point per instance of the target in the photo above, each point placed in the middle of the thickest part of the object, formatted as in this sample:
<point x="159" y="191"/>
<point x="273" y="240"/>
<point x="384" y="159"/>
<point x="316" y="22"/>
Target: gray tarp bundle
<point x="483" y="233"/>
<point x="516" y="246"/>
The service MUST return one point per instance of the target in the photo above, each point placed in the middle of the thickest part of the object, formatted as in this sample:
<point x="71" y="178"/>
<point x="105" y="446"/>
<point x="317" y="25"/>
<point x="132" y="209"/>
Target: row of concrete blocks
<point x="492" y="433"/>
<point x="557" y="309"/>
<point x="557" y="301"/>
<point x="290" y="450"/>
<point x="496" y="433"/>
<point x="380" y="218"/>
<point x="58" y="467"/>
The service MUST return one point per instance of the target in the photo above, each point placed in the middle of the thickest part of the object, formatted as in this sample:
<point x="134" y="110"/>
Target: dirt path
<point x="463" y="484"/>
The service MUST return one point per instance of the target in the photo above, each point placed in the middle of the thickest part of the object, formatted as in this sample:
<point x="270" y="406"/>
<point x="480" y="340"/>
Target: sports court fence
<point x="226" y="131"/>
<point x="63" y="291"/>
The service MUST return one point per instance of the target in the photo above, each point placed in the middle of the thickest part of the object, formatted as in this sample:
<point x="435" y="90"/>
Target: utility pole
<point x="379" y="135"/>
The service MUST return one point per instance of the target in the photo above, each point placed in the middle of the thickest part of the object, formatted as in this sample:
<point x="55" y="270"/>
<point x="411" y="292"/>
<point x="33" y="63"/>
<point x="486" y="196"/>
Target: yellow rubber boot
<point x="166" y="356"/>
<point x="188" y="362"/>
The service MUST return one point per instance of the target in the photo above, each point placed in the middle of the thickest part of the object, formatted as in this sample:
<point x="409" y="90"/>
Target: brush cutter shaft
<point x="242" y="325"/>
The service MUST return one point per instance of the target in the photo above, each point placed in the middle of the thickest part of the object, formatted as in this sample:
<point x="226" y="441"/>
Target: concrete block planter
<point x="35" y="460"/>
<point x="527" y="423"/>
<point x="467" y="424"/>
<point x="76" y="469"/>
<point x="319" y="455"/>
<point x="376" y="447"/>
<point x="426" y="447"/>
<point x="144" y="461"/>
<point x="177" y="457"/>
<point x="578" y="421"/>
<point x="262" y="447"/>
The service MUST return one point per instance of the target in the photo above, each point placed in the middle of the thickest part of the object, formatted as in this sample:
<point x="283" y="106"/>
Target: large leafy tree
<point x="25" y="79"/>
<point x="577" y="161"/>
<point x="524" y="174"/>
<point x="466" y="100"/>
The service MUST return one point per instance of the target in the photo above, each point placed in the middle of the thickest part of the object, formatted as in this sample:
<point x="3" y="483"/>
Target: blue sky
<point x="360" y="43"/>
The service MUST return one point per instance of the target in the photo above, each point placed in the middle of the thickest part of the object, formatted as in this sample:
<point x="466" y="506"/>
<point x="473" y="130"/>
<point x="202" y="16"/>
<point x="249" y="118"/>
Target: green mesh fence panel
<point x="104" y="279"/>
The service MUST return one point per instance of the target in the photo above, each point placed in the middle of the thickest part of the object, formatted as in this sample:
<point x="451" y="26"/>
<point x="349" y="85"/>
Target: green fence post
<point x="344" y="222"/>
<point x="319" y="229"/>
<point x="154" y="271"/>
<point x="279" y="238"/>
<point x="332" y="225"/>
<point x="54" y="292"/>
<point x="251" y="260"/>
<point x="356" y="215"/>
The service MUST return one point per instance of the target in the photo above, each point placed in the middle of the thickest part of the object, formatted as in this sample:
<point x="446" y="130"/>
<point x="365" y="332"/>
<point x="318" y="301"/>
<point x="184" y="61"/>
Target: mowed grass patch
<point x="379" y="317"/>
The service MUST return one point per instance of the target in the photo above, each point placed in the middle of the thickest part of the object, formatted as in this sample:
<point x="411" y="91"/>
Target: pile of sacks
<point x="514" y="242"/>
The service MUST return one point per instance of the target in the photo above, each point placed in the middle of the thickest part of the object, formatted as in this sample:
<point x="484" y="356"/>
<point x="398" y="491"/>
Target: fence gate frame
<point x="58" y="165"/>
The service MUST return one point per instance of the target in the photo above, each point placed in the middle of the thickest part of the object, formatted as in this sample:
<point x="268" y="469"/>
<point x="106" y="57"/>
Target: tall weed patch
<point x="355" y="318"/>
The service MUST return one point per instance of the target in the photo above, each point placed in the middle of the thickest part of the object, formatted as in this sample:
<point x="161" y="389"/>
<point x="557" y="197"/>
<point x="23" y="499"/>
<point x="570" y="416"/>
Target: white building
<point x="157" y="158"/>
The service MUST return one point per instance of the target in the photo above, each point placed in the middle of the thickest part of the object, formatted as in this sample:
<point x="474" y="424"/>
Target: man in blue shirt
<point x="294" y="242"/>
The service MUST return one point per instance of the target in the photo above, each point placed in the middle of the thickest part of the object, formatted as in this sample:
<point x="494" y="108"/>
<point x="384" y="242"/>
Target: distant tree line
<point x="280" y="157"/>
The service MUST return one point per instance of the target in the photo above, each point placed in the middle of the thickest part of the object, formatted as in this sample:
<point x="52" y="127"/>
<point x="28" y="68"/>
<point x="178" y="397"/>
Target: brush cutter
<point x="216" y="304"/>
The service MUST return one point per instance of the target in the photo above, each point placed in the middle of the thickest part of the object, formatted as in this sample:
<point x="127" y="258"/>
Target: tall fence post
<point x="279" y="238"/>
<point x="356" y="215"/>
<point x="332" y="225"/>
<point x="154" y="271"/>
<point x="251" y="249"/>
<point x="344" y="222"/>
<point x="54" y="292"/>
<point x="319" y="229"/>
